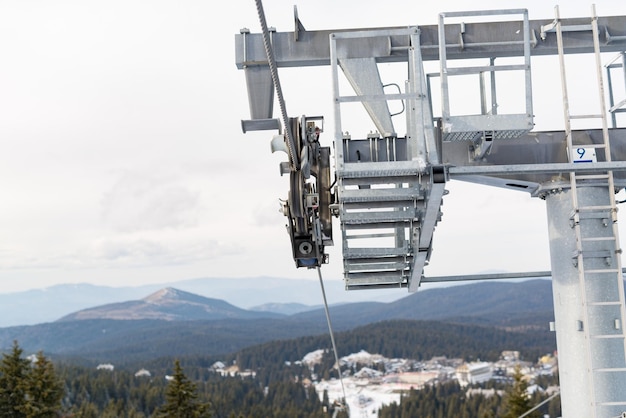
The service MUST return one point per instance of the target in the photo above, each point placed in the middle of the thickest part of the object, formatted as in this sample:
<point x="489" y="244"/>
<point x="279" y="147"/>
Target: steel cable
<point x="271" y="60"/>
<point x="332" y="337"/>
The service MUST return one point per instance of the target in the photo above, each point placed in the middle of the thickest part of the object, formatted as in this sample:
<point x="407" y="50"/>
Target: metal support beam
<point x="494" y="276"/>
<point x="513" y="169"/>
<point x="489" y="39"/>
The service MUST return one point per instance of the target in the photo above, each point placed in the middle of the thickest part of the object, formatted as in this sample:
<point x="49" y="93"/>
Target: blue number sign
<point x="584" y="155"/>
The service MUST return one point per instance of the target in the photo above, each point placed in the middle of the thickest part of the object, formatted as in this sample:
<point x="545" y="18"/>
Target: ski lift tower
<point x="389" y="187"/>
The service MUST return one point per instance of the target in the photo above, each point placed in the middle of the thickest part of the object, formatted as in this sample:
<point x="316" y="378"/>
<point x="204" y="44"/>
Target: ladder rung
<point x="603" y="271"/>
<point x="605" y="208"/>
<point x="607" y="336"/>
<point x="589" y="145"/>
<point x="597" y="184"/>
<point x="594" y="212"/>
<point x="373" y="263"/>
<point x="593" y="254"/>
<point x="609" y="370"/>
<point x="379" y="235"/>
<point x="395" y="266"/>
<point x="591" y="176"/>
<point x="377" y="285"/>
<point x="398" y="205"/>
<point x="586" y="116"/>
<point x="368" y="179"/>
<point x="380" y="225"/>
<point x="379" y="195"/>
<point x="618" y="403"/>
<point x="352" y="253"/>
<point x="366" y="218"/>
<point x="614" y="303"/>
<point x="371" y="279"/>
<point x="377" y="276"/>
<point x="596" y="239"/>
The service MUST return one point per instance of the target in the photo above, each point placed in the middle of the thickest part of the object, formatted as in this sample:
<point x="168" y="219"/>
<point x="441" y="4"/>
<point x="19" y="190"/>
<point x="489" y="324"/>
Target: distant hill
<point x="122" y="341"/>
<point x="486" y="303"/>
<point x="49" y="304"/>
<point x="500" y="304"/>
<point x="172" y="322"/>
<point x="168" y="304"/>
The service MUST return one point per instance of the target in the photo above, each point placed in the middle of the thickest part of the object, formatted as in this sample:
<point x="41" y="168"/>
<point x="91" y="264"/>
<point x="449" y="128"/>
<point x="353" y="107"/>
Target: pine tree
<point x="516" y="400"/>
<point x="28" y="390"/>
<point x="13" y="374"/>
<point x="181" y="399"/>
<point x="44" y="391"/>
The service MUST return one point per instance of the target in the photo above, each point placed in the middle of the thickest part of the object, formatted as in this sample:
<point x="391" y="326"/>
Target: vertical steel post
<point x="588" y="319"/>
<point x="568" y="314"/>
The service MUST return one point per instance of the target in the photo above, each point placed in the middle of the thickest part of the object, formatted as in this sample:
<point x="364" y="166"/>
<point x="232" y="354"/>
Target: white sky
<point x="123" y="162"/>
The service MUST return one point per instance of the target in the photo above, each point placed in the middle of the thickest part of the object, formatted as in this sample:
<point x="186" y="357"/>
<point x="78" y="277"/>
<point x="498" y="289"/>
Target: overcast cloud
<point x="123" y="162"/>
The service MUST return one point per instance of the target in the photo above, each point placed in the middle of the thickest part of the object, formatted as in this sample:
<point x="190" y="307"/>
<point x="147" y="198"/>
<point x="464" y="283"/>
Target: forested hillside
<point x="451" y="401"/>
<point x="278" y="388"/>
<point x="407" y="339"/>
<point x="119" y="394"/>
<point x="270" y="350"/>
<point x="279" y="385"/>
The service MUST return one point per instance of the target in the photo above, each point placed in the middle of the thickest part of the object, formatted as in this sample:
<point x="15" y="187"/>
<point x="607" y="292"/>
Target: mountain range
<point x="287" y="295"/>
<point x="168" y="304"/>
<point x="174" y="322"/>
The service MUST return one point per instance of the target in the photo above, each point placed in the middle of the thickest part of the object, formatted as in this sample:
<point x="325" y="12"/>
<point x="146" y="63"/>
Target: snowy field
<point x="364" y="399"/>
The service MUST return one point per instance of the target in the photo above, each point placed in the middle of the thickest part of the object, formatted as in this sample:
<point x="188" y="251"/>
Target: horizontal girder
<point x="470" y="40"/>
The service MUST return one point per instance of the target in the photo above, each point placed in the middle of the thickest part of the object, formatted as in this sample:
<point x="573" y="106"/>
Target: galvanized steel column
<point x="589" y="330"/>
<point x="570" y="342"/>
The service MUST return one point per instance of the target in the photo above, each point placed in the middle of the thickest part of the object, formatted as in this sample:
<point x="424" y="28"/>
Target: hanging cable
<point x="271" y="61"/>
<point x="295" y="161"/>
<point x="332" y="337"/>
<point x="540" y="404"/>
